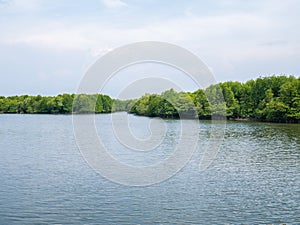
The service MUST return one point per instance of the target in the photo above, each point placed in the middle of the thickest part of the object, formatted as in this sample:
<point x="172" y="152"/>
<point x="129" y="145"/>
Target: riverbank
<point x="270" y="99"/>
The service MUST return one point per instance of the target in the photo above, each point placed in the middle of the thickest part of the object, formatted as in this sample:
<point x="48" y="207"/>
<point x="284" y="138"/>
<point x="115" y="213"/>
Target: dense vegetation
<point x="275" y="98"/>
<point x="65" y="103"/>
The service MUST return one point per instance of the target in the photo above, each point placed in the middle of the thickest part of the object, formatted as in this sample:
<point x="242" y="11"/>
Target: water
<point x="45" y="180"/>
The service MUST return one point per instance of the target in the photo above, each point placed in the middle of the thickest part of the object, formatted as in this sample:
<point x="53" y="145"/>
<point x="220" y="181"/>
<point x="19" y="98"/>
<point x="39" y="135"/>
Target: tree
<point x="274" y="98"/>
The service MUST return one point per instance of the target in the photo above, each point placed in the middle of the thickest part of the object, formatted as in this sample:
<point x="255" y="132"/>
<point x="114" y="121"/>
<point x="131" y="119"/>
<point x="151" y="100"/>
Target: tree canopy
<point x="60" y="104"/>
<point x="273" y="98"/>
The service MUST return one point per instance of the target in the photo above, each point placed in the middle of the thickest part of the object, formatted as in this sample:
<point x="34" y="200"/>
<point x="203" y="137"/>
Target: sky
<point x="46" y="46"/>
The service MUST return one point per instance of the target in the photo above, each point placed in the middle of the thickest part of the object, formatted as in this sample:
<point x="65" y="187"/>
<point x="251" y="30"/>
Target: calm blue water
<point x="255" y="178"/>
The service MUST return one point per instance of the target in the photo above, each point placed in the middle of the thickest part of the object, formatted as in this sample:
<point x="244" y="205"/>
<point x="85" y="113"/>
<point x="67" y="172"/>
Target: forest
<point x="273" y="98"/>
<point x="60" y="104"/>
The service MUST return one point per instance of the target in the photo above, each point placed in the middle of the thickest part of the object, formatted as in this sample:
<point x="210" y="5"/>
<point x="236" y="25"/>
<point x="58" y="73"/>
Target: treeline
<point x="60" y="104"/>
<point x="275" y="98"/>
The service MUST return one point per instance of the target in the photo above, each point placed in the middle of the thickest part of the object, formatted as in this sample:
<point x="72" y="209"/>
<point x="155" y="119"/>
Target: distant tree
<point x="273" y="98"/>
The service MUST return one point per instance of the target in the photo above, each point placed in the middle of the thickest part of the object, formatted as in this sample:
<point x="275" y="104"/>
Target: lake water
<point x="254" y="179"/>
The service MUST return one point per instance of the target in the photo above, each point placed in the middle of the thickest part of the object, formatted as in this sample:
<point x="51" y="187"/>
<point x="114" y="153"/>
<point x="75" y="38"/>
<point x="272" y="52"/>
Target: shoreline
<point x="164" y="118"/>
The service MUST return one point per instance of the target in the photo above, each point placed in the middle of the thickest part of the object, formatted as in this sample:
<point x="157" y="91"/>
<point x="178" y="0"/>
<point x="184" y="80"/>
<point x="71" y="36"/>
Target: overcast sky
<point x="47" y="45"/>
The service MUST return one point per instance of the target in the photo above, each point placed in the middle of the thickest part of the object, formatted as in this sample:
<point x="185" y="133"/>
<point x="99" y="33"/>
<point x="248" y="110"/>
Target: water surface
<point x="45" y="180"/>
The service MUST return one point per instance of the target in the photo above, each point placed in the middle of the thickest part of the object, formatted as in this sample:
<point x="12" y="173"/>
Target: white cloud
<point x="225" y="41"/>
<point x="114" y="3"/>
<point x="235" y="36"/>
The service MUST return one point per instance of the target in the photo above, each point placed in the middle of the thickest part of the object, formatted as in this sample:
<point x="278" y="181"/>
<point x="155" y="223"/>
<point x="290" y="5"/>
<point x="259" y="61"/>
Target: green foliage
<point x="169" y="104"/>
<point x="201" y="104"/>
<point x="154" y="105"/>
<point x="60" y="104"/>
<point x="216" y="100"/>
<point x="274" y="98"/>
<point x="123" y="105"/>
<point x="95" y="103"/>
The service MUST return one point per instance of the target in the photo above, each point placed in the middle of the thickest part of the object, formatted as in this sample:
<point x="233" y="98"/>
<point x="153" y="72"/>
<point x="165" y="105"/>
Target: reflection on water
<point x="44" y="179"/>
